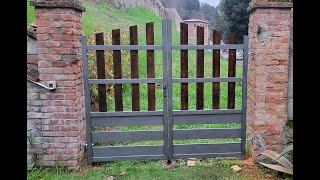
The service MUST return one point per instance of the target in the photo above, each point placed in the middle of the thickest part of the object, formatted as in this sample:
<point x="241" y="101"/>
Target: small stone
<point x="236" y="168"/>
<point x="191" y="163"/>
<point x="122" y="173"/>
<point x="110" y="178"/>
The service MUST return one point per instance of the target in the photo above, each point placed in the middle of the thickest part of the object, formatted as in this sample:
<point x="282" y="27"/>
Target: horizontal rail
<point x="126" y="113"/>
<point x="118" y="158"/>
<point x="125" y="81"/>
<point x="111" y="121"/>
<point x="195" y="80"/>
<point x="123" y="136"/>
<point x="184" y="149"/>
<point x="198" y="112"/>
<point x="108" y="151"/>
<point x="208" y="155"/>
<point x="207" y="47"/>
<point x="206" y="133"/>
<point x="207" y="119"/>
<point x="123" y="47"/>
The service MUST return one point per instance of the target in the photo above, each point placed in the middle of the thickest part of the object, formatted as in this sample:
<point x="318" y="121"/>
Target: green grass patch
<point x="216" y="168"/>
<point x="30" y="13"/>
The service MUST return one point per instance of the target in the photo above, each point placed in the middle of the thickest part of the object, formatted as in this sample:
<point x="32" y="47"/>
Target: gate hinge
<point x="83" y="145"/>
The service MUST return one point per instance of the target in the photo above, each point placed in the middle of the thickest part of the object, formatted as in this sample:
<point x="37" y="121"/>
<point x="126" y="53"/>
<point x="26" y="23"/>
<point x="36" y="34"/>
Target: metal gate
<point x="168" y="117"/>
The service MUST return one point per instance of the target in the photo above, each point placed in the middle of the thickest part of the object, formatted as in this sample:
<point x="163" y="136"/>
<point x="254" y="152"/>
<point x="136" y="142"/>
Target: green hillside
<point x="102" y="17"/>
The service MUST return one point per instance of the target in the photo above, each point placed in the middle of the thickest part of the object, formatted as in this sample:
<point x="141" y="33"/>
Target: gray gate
<point x="168" y="117"/>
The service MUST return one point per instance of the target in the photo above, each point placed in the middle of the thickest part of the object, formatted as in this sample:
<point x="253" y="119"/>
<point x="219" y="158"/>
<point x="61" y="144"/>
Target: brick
<point x="69" y="128"/>
<point x="46" y="44"/>
<point x="45" y="77"/>
<point x="67" y="44"/>
<point x="59" y="64"/>
<point x="53" y="134"/>
<point x="52" y="96"/>
<point x="41" y="23"/>
<point x="53" y="121"/>
<point x="58" y="37"/>
<point x="70" y="31"/>
<point x="44" y="64"/>
<point x="70" y="96"/>
<point x="55" y="24"/>
<point x="35" y="115"/>
<point x="49" y="157"/>
<point x="51" y="70"/>
<point x="63" y="77"/>
<point x="47" y="30"/>
<point x="65" y="115"/>
<point x="63" y="103"/>
<point x="277" y="79"/>
<point x="279" y="101"/>
<point x="72" y="134"/>
<point x="54" y="109"/>
<point x="66" y="139"/>
<point x="63" y="51"/>
<point x="33" y="59"/>
<point x="69" y="83"/>
<point x="68" y="17"/>
<point x="43" y="50"/>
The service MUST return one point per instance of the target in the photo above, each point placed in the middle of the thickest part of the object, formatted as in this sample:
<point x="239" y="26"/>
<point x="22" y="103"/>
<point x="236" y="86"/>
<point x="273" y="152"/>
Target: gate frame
<point x="167" y="80"/>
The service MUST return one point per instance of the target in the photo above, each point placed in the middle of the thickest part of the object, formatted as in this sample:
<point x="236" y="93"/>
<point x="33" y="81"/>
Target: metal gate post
<point x="244" y="96"/>
<point x="86" y="96"/>
<point x="165" y="93"/>
<point x="169" y="88"/>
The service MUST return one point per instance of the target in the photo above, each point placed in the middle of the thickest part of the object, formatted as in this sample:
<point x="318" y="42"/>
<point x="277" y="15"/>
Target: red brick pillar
<point x="59" y="28"/>
<point x="269" y="38"/>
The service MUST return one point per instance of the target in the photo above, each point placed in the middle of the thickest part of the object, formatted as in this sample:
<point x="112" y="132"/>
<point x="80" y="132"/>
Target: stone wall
<point x="172" y="13"/>
<point x="153" y="5"/>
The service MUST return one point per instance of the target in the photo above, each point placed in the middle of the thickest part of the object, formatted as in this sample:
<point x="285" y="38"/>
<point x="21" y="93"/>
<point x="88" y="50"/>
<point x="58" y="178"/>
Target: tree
<point x="234" y="14"/>
<point x="208" y="11"/>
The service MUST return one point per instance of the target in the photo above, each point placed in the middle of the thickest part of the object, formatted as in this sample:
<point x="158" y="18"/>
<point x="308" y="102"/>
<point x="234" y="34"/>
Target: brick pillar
<point x="59" y="28"/>
<point x="269" y="38"/>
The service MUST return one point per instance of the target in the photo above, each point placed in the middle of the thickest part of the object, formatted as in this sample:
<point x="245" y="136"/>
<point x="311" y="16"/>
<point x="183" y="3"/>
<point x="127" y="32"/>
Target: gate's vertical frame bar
<point x="165" y="93"/>
<point x="169" y="76"/>
<point x="86" y="96"/>
<point x="244" y="96"/>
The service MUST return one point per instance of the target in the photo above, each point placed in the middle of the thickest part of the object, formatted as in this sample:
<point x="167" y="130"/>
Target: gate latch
<point x="159" y="86"/>
<point x="83" y="145"/>
<point x="164" y="91"/>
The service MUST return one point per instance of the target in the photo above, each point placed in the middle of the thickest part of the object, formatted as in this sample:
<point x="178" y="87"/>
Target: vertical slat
<point x="216" y="71"/>
<point x="150" y="67"/>
<point x="165" y="92"/>
<point x="101" y="72"/>
<point x="87" y="99"/>
<point x="169" y="88"/>
<point x="200" y="67"/>
<point x="117" y="70"/>
<point x="244" y="96"/>
<point x="184" y="65"/>
<point x="232" y="72"/>
<point x="134" y="68"/>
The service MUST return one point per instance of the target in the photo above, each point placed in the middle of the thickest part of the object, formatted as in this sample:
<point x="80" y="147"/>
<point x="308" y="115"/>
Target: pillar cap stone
<point x="253" y="5"/>
<point x="73" y="4"/>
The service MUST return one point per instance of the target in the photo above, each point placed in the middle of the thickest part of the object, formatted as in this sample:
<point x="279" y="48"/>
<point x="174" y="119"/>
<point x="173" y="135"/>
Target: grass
<point x="156" y="170"/>
<point x="30" y="13"/>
